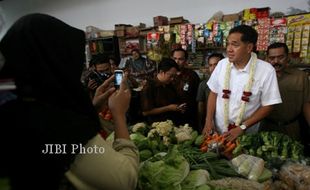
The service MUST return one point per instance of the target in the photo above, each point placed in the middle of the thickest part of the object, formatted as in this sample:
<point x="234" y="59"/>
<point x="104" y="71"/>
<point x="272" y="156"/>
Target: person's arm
<point x="209" y="125"/>
<point x="100" y="99"/>
<point x="257" y="116"/>
<point x="119" y="104"/>
<point x="163" y="109"/>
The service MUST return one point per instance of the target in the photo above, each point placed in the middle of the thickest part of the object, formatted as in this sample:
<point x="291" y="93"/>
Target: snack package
<point x="295" y="176"/>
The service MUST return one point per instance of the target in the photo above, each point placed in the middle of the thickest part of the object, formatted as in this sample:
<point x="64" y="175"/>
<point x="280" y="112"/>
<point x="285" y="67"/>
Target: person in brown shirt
<point x="159" y="99"/>
<point x="295" y="93"/>
<point x="186" y="83"/>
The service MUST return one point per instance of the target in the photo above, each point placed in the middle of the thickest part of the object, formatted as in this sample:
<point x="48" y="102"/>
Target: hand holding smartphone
<point x="118" y="77"/>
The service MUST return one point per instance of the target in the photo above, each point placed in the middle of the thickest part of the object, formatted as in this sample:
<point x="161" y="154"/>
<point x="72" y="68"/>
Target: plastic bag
<point x="249" y="166"/>
<point x="296" y="176"/>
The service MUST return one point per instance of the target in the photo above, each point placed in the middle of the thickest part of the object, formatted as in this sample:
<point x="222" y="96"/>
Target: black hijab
<point x="45" y="57"/>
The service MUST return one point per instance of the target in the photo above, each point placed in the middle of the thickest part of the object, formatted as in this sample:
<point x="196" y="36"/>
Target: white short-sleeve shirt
<point x="265" y="90"/>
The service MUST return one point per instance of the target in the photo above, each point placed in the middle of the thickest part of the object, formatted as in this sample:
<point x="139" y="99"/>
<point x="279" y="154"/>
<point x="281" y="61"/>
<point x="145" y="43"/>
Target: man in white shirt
<point x="243" y="88"/>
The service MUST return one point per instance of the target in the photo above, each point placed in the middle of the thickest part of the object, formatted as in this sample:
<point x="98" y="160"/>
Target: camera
<point x="118" y="77"/>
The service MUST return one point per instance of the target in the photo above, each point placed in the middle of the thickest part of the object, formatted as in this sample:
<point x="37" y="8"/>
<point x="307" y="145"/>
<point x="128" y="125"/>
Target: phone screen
<point x="118" y="74"/>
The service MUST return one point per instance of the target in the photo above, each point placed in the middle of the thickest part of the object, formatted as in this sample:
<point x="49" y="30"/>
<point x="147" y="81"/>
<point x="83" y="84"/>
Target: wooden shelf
<point x="211" y="48"/>
<point x="301" y="65"/>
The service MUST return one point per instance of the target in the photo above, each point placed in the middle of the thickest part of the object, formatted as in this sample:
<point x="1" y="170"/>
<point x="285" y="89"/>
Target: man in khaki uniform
<point x="295" y="93"/>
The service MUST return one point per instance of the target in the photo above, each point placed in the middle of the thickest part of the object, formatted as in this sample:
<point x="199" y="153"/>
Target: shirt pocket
<point x="238" y="93"/>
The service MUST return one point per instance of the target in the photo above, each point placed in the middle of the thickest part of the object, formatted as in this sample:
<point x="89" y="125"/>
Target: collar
<point x="246" y="68"/>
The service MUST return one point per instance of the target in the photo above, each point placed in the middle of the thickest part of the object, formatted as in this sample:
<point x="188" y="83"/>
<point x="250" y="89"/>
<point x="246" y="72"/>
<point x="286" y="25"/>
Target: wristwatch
<point x="243" y="126"/>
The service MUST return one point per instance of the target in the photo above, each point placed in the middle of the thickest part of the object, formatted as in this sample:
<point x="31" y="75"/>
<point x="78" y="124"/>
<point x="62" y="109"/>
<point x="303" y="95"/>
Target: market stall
<point x="177" y="157"/>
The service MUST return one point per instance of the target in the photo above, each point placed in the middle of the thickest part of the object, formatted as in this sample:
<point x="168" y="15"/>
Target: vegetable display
<point x="273" y="147"/>
<point x="178" y="158"/>
<point x="218" y="143"/>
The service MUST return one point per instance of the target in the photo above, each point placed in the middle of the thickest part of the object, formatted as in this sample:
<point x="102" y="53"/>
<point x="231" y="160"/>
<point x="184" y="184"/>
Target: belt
<point x="282" y="123"/>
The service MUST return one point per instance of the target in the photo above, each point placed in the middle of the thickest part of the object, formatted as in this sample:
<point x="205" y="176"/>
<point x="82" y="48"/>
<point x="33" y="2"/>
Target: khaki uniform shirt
<point x="295" y="91"/>
<point x="116" y="168"/>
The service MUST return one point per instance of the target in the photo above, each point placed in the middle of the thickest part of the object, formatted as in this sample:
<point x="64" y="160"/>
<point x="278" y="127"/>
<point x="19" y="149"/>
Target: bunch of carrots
<point x="225" y="147"/>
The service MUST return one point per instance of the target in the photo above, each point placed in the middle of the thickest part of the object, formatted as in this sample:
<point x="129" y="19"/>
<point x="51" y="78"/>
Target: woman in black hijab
<point x="44" y="56"/>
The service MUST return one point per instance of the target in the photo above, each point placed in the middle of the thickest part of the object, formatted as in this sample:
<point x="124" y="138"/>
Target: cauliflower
<point x="154" y="124"/>
<point x="183" y="133"/>
<point x="187" y="128"/>
<point x="163" y="128"/>
<point x="137" y="126"/>
<point x="183" y="136"/>
<point x="151" y="133"/>
<point x="166" y="140"/>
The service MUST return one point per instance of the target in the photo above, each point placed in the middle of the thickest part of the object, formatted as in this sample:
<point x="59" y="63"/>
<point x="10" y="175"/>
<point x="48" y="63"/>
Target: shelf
<point x="211" y="48"/>
<point x="301" y="65"/>
<point x="99" y="38"/>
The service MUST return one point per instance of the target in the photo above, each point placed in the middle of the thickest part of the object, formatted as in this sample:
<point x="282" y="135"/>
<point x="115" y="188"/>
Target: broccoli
<point x="296" y="150"/>
<point x="285" y="147"/>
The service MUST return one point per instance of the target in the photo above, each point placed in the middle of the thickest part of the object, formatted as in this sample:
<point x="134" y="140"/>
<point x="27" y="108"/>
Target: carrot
<point x="228" y="144"/>
<point x="204" y="149"/>
<point x="230" y="148"/>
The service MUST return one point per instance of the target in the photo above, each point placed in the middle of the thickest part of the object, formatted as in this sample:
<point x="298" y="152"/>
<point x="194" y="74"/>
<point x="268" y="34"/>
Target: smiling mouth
<point x="277" y="66"/>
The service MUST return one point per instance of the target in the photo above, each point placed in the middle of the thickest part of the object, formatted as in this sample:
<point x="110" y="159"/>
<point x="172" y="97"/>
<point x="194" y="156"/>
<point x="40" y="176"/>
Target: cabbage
<point x="137" y="137"/>
<point x="195" y="178"/>
<point x="203" y="187"/>
<point x="164" y="174"/>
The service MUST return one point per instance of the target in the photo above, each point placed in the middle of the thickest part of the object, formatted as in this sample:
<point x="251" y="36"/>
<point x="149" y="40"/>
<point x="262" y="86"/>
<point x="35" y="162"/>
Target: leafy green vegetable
<point x="203" y="187"/>
<point x="145" y="154"/>
<point x="195" y="178"/>
<point x="137" y="138"/>
<point x="267" y="174"/>
<point x="199" y="140"/>
<point x="165" y="174"/>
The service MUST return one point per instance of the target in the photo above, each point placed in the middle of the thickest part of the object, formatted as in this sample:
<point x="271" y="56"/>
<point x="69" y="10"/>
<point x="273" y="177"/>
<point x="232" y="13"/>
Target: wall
<point x="105" y="13"/>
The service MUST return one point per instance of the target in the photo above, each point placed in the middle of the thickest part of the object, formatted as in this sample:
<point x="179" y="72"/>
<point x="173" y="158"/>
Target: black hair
<point x="166" y="64"/>
<point x="219" y="55"/>
<point x="278" y="45"/>
<point x="100" y="59"/>
<point x="111" y="57"/>
<point x="249" y="34"/>
<point x="180" y="49"/>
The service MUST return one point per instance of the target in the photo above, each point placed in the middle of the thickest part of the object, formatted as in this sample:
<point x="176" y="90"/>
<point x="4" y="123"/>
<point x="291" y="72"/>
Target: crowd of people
<point x="52" y="114"/>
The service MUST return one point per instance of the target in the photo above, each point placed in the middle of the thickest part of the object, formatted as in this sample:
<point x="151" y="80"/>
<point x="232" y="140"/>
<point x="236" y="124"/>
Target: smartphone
<point x="118" y="77"/>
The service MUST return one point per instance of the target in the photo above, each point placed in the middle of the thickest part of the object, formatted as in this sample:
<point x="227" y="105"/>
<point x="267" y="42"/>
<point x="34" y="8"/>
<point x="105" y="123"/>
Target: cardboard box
<point x="176" y="20"/>
<point x="160" y="20"/>
<point x="132" y="31"/>
<point x="231" y="17"/>
<point x="145" y="31"/>
<point x="121" y="26"/>
<point x="106" y="33"/>
<point x="119" y="33"/>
